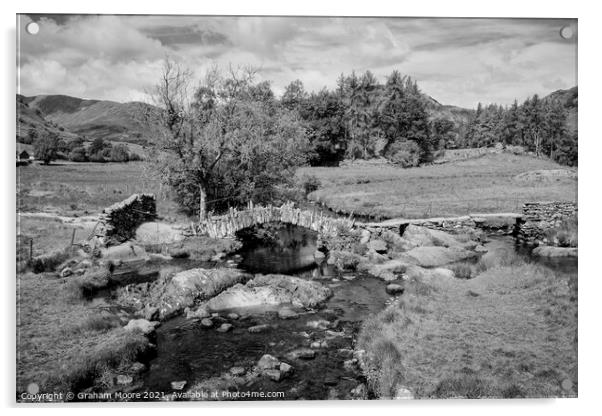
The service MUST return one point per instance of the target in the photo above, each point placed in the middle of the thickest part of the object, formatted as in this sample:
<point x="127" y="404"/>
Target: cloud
<point x="457" y="61"/>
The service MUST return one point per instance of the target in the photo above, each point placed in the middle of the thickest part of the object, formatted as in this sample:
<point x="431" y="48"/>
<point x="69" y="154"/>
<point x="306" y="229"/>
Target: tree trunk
<point x="202" y="203"/>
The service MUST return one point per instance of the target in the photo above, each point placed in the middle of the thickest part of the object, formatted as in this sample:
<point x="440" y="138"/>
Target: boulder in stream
<point x="197" y="284"/>
<point x="258" y="328"/>
<point x="302" y="353"/>
<point x="224" y="328"/>
<point x="394" y="289"/>
<point x="141" y="325"/>
<point x="287" y="313"/>
<point x="273" y="289"/>
<point x="435" y="256"/>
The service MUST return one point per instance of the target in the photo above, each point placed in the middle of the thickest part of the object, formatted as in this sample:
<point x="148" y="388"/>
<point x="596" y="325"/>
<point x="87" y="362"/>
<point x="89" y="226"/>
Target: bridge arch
<point x="224" y="226"/>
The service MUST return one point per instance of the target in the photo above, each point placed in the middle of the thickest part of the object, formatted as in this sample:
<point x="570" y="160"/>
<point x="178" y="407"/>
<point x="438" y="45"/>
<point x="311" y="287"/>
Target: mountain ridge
<point x="71" y="117"/>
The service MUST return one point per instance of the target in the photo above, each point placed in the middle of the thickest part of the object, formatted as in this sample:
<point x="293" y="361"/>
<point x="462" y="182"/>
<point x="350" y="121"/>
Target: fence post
<point x="31" y="249"/>
<point x="73" y="236"/>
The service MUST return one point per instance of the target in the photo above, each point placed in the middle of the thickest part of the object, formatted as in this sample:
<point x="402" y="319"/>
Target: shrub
<point x="404" y="153"/>
<point x="310" y="183"/>
<point x="564" y="235"/>
<point x="462" y="270"/>
<point x="78" y="154"/>
<point x="119" y="153"/>
<point x="48" y="262"/>
<point x="88" y="284"/>
<point x="385" y="358"/>
<point x="134" y="157"/>
<point x="97" y="157"/>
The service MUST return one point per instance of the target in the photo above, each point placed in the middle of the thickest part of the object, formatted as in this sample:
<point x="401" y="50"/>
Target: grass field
<point x="81" y="188"/>
<point x="78" y="189"/>
<point x="509" y="332"/>
<point x="479" y="185"/>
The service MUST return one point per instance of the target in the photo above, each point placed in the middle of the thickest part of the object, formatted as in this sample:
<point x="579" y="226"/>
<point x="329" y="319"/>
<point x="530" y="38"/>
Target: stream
<point x="186" y="351"/>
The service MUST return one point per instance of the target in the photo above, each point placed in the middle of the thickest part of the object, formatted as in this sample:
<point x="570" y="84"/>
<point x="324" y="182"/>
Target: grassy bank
<point x="509" y="332"/>
<point x="66" y="343"/>
<point x="486" y="184"/>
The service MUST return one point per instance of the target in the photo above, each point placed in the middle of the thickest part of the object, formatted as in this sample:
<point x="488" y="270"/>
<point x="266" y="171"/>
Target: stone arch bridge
<point x="235" y="220"/>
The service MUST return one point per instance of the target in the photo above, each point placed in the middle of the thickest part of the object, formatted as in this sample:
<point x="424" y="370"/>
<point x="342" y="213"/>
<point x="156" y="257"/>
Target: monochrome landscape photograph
<point x="270" y="208"/>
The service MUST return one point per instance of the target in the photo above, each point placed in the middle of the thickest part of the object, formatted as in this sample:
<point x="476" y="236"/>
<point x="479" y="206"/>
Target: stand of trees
<point x="49" y="146"/>
<point x="540" y="126"/>
<point x="100" y="151"/>
<point x="229" y="140"/>
<point x="363" y="118"/>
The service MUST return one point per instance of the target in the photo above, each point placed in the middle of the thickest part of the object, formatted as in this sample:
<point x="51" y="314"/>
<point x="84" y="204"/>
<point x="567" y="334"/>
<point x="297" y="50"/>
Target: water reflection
<point x="281" y="248"/>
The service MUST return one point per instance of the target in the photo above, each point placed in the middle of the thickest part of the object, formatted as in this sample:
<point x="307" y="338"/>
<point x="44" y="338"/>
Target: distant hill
<point x="458" y="115"/>
<point x="569" y="99"/>
<point x="76" y="117"/>
<point x="32" y="119"/>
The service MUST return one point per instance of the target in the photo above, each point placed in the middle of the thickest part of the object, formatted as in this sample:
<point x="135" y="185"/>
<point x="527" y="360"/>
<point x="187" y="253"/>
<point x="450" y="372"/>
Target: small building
<point x="24" y="158"/>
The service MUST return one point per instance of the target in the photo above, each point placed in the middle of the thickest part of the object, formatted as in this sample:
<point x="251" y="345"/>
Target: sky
<point x="456" y="61"/>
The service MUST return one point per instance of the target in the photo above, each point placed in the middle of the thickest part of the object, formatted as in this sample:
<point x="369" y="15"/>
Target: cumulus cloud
<point x="457" y="61"/>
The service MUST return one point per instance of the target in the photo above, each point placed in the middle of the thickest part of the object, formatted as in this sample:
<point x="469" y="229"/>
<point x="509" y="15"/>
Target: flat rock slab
<point x="271" y="290"/>
<point x="198" y="284"/>
<point x="436" y="256"/>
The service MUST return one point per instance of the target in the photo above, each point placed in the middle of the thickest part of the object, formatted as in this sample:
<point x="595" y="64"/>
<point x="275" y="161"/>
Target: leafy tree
<point x="32" y="135"/>
<point x="46" y="147"/>
<point x="78" y="154"/>
<point x="323" y="114"/>
<point x="75" y="143"/>
<point x="403" y="114"/>
<point x="119" y="153"/>
<point x="442" y="132"/>
<point x="97" y="146"/>
<point x="294" y="96"/>
<point x="404" y="153"/>
<point x="224" y="144"/>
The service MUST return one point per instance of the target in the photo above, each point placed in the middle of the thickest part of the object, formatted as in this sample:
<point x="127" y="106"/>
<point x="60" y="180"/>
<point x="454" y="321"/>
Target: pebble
<point x="66" y="272"/>
<point x="206" y="322"/>
<point x="237" y="371"/>
<point x="178" y="385"/>
<point x="303" y="353"/>
<point x="287" y="313"/>
<point x="124" y="380"/>
<point x="394" y="289"/>
<point x="258" y="328"/>
<point x="224" y="328"/>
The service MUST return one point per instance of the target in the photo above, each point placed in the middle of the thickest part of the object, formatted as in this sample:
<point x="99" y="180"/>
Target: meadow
<point x="509" y="332"/>
<point x="78" y="190"/>
<point x="492" y="183"/>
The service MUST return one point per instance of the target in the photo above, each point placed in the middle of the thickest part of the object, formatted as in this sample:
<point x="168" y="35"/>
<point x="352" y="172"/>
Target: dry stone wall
<point x="538" y="217"/>
<point x="120" y="220"/>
